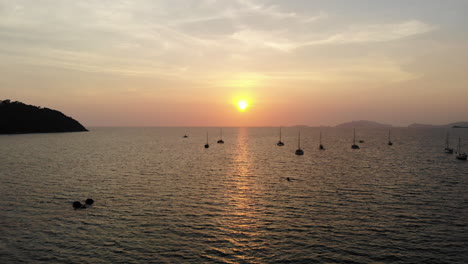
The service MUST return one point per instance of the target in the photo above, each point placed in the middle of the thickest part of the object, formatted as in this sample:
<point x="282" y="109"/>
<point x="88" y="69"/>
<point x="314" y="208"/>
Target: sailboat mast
<point x="354" y="136"/>
<point x="459" y="145"/>
<point x="206" y="137"/>
<point x="320" y="138"/>
<point x="447" y="140"/>
<point x="280" y="133"/>
<point x="299" y="140"/>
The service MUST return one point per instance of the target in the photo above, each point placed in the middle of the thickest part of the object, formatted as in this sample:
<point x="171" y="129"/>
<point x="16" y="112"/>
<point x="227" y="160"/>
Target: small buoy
<point x="89" y="201"/>
<point x="289" y="179"/>
<point x="77" y="205"/>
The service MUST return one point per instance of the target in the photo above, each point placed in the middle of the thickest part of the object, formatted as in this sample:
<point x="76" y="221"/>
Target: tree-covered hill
<point x="17" y="117"/>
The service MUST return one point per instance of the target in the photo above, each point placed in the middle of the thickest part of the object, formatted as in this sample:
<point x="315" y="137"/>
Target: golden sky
<point x="189" y="62"/>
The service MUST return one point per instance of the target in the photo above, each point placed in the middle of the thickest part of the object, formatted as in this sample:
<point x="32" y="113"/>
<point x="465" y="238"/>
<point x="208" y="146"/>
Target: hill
<point x="362" y="124"/>
<point x="18" y="118"/>
<point x="451" y="125"/>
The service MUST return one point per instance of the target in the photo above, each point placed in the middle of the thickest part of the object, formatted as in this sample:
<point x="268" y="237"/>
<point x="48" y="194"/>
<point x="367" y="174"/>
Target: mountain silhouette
<point x="363" y="124"/>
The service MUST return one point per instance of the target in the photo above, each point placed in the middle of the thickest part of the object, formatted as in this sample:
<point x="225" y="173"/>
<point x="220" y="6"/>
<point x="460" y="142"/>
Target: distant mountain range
<point x="19" y="118"/>
<point x="373" y="124"/>
<point x="362" y="124"/>
<point x="452" y="125"/>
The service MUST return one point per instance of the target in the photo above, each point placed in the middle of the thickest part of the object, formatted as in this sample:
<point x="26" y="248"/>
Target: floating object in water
<point x="448" y="149"/>
<point x="280" y="143"/>
<point x="220" y="141"/>
<point x="89" y="201"/>
<point x="78" y="205"/>
<point x="207" y="145"/>
<point x="390" y="143"/>
<point x="361" y="141"/>
<point x="185" y="136"/>
<point x="321" y="147"/>
<point x="289" y="179"/>
<point x="354" y="146"/>
<point x="461" y="155"/>
<point x="299" y="151"/>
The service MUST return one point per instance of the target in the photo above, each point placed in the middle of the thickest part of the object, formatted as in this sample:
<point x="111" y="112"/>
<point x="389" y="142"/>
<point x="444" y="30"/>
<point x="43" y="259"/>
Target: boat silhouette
<point x="460" y="155"/>
<point x="299" y="151"/>
<point x="448" y="149"/>
<point x="321" y="147"/>
<point x="207" y="145"/>
<point x="280" y="143"/>
<point x="354" y="146"/>
<point x="220" y="141"/>
<point x="390" y="143"/>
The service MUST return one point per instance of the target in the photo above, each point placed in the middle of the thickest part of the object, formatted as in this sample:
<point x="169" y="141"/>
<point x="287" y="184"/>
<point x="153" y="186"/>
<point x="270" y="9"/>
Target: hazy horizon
<point x="187" y="63"/>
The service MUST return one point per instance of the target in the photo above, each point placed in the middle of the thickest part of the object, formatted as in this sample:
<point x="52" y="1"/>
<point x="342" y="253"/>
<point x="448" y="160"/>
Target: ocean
<point x="162" y="198"/>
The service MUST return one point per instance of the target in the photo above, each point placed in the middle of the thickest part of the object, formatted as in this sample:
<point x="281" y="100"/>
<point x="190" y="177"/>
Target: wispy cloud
<point x="377" y="33"/>
<point x="160" y="38"/>
<point x="352" y="35"/>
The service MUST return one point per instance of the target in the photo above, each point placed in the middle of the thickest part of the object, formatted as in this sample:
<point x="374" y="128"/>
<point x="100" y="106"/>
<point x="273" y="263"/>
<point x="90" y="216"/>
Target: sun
<point x="242" y="105"/>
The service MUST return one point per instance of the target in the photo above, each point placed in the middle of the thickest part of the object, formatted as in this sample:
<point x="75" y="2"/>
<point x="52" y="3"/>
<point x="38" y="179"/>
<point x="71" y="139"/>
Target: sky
<point x="188" y="62"/>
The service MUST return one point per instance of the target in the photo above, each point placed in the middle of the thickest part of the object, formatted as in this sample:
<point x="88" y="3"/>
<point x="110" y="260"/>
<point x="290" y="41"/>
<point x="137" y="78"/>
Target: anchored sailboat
<point x="354" y="146"/>
<point x="460" y="155"/>
<point x="280" y="143"/>
<point x="321" y="147"/>
<point x="299" y="151"/>
<point x="220" y="141"/>
<point x="390" y="143"/>
<point x="447" y="149"/>
<point x="207" y="145"/>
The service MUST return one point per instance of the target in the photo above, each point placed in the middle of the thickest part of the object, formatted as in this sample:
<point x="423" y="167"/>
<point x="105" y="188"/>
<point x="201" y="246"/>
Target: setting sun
<point x="242" y="105"/>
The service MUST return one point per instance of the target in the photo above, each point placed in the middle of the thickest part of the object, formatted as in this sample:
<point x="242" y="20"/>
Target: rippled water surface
<point x="160" y="198"/>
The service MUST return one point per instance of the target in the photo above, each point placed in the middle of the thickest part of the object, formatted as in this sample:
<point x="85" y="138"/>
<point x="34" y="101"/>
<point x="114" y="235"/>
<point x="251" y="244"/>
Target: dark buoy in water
<point x="289" y="179"/>
<point x="78" y="205"/>
<point x="89" y="201"/>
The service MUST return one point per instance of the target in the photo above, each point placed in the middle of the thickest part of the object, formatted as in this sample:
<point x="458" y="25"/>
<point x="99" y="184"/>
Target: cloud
<point x="353" y="35"/>
<point x="160" y="38"/>
<point x="377" y="33"/>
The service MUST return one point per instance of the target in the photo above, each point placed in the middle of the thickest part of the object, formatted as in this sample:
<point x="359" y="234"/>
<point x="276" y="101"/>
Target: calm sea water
<point x="160" y="198"/>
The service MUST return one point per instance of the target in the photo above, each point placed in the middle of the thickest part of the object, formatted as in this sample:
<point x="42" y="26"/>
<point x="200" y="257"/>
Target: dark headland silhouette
<point x="19" y="118"/>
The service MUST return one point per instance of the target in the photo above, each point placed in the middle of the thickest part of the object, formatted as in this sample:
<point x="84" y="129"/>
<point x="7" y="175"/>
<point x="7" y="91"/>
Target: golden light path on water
<point x="241" y="219"/>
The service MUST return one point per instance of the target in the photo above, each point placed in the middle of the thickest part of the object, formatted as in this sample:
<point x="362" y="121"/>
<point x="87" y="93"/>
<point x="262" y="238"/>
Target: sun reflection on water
<point x="240" y="223"/>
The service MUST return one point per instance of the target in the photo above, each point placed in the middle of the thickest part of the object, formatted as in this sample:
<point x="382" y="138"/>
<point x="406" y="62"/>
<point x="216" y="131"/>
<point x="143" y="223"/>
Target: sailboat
<point x="299" y="151"/>
<point x="220" y="141"/>
<point x="447" y="149"/>
<point x="207" y="145"/>
<point x="280" y="143"/>
<point x="390" y="143"/>
<point x="185" y="136"/>
<point x="354" y="146"/>
<point x="460" y="155"/>
<point x="321" y="147"/>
